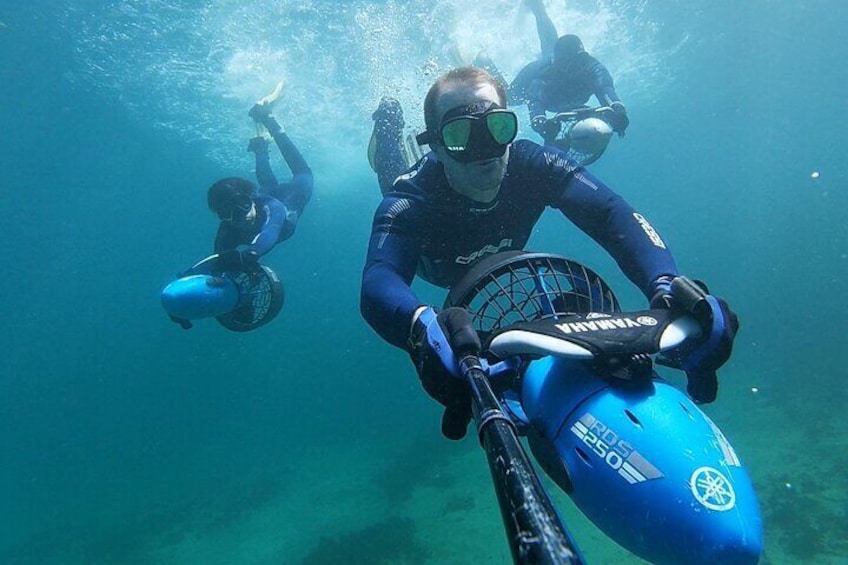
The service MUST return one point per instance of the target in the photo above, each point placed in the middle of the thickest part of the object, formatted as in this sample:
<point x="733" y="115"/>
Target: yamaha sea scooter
<point x="239" y="300"/>
<point x="565" y="368"/>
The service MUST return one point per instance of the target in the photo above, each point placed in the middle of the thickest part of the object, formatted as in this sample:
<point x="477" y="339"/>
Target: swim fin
<point x="270" y="99"/>
<point x="412" y="152"/>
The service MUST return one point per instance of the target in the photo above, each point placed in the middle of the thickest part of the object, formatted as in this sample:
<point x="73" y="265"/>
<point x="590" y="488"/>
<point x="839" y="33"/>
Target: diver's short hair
<point x="567" y="48"/>
<point x="467" y="74"/>
<point x="227" y="192"/>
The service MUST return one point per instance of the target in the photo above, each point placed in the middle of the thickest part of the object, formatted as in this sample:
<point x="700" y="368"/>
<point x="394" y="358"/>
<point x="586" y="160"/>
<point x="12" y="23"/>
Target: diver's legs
<point x="387" y="140"/>
<point x="264" y="175"/>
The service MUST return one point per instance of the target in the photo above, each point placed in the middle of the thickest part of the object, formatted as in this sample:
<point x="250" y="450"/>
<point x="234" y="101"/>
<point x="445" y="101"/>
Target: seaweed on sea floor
<point x="390" y="541"/>
<point x="128" y="538"/>
<point x="232" y="505"/>
<point x="460" y="503"/>
<point x="805" y="525"/>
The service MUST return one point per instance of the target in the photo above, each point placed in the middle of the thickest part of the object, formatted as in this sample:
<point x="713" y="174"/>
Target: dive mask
<point x="475" y="132"/>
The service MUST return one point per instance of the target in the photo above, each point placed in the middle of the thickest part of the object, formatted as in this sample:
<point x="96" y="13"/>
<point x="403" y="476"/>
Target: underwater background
<point x="124" y="439"/>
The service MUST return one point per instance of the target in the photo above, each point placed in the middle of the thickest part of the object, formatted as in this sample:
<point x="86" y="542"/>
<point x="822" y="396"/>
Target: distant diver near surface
<point x="562" y="80"/>
<point x="252" y="222"/>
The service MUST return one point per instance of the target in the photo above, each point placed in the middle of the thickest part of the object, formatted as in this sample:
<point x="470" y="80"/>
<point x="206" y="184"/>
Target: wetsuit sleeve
<point x="604" y="216"/>
<point x="535" y="106"/>
<point x="269" y="234"/>
<point x="602" y="82"/>
<point x="386" y="300"/>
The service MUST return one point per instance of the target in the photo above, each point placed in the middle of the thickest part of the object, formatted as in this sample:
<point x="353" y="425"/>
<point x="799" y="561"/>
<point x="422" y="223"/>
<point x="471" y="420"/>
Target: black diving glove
<point x="618" y="119"/>
<point x="436" y="345"/>
<point x="237" y="260"/>
<point x="700" y="360"/>
<point x="548" y="129"/>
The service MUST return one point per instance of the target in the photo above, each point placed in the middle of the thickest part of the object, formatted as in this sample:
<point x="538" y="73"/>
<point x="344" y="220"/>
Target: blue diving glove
<point x="436" y="344"/>
<point x="700" y="360"/>
<point x="237" y="260"/>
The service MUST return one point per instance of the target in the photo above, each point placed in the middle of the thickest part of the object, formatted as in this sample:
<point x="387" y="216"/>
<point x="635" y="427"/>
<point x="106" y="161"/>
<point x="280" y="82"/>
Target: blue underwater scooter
<point x="239" y="300"/>
<point x="564" y="367"/>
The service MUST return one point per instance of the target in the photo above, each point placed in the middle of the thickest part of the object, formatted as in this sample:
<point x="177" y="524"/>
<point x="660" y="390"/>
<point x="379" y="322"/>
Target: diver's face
<point x="250" y="217"/>
<point x="243" y="214"/>
<point x="478" y="180"/>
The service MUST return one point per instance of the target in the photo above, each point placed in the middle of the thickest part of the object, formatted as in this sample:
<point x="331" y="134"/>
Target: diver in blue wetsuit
<point x="479" y="192"/>
<point x="253" y="221"/>
<point x="562" y="79"/>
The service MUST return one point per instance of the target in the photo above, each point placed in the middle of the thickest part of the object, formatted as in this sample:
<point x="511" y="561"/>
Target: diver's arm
<point x="539" y="120"/>
<point x="626" y="234"/>
<point x="535" y="108"/>
<point x="602" y="83"/>
<point x="602" y="214"/>
<point x="386" y="299"/>
<point x="544" y="27"/>
<point x="226" y="238"/>
<point x="275" y="217"/>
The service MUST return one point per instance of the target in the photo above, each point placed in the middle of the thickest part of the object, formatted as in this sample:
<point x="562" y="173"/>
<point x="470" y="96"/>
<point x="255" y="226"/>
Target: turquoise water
<point x="125" y="439"/>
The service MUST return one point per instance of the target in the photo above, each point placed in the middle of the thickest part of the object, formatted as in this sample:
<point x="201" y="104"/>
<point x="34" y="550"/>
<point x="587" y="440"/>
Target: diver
<point x="477" y="192"/>
<point x="253" y="221"/>
<point x="563" y="78"/>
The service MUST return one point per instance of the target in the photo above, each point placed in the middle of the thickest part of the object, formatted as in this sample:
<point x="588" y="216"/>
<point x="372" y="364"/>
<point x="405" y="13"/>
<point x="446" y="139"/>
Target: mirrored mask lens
<point x="456" y="133"/>
<point x="503" y="126"/>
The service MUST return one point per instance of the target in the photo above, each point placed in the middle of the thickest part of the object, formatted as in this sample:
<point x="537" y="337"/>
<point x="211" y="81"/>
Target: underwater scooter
<point x="584" y="133"/>
<point x="239" y="300"/>
<point x="573" y="374"/>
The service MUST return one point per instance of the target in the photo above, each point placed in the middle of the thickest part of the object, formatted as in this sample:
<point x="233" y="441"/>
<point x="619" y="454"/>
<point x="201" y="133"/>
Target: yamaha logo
<point x="605" y="324"/>
<point x="712" y="489"/>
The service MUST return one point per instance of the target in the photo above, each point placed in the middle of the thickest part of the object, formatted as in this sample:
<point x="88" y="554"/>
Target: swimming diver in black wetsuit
<point x="563" y="78"/>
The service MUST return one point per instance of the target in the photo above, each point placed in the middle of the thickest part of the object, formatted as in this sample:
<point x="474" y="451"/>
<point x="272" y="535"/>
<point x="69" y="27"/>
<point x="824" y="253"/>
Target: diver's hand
<point x="237" y="260"/>
<point x="436" y="344"/>
<point x="618" y="119"/>
<point x="719" y="324"/>
<point x="548" y="129"/>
